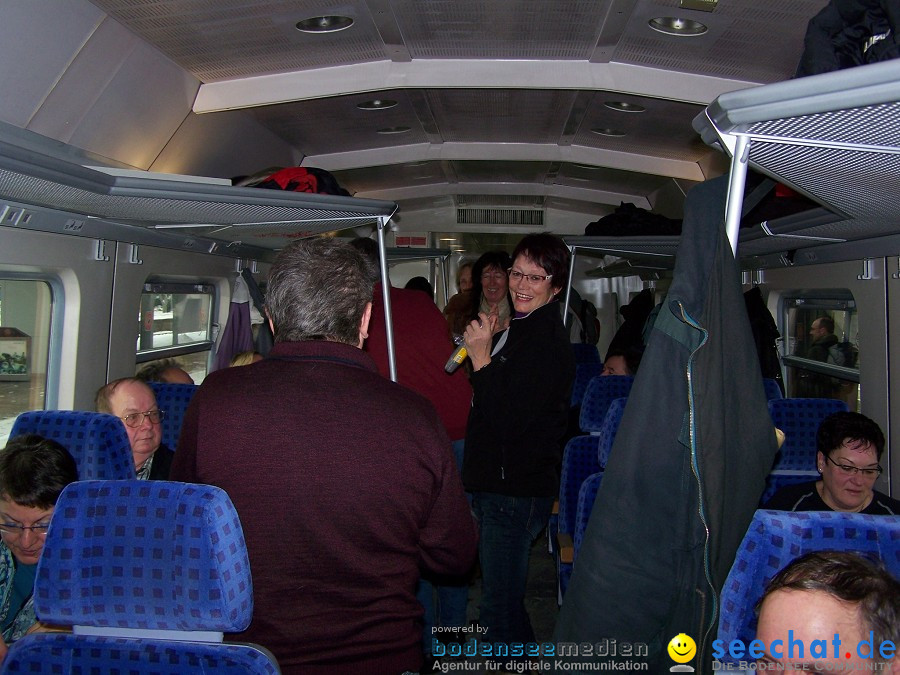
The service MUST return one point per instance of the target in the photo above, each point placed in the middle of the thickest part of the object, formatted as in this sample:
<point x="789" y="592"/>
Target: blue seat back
<point x="600" y="392"/>
<point x="584" y="373"/>
<point x="66" y="653"/>
<point x="579" y="462"/>
<point x="799" y="419"/>
<point x="151" y="574"/>
<point x="607" y="433"/>
<point x="174" y="399"/>
<point x="772" y="389"/>
<point x="155" y="555"/>
<point x="586" y="496"/>
<point x="775" y="538"/>
<point x="97" y="441"/>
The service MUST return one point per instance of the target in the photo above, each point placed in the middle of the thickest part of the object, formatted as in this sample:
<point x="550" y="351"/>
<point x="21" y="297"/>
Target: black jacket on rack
<point x="687" y="467"/>
<point x="849" y="33"/>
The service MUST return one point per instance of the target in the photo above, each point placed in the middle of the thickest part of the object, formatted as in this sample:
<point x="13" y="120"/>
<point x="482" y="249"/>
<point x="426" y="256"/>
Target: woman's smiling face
<point x="528" y="295"/>
<point x="494" y="284"/>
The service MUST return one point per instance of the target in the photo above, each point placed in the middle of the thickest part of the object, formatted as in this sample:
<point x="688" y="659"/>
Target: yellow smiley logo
<point x="682" y="648"/>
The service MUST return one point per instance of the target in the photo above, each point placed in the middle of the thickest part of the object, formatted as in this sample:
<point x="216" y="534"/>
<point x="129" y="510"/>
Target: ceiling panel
<point x="490" y="134"/>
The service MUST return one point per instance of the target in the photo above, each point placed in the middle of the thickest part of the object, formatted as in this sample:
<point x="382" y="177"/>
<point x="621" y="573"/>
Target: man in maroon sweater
<point x="344" y="481"/>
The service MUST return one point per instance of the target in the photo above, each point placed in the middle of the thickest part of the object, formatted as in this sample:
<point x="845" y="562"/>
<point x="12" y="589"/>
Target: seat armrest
<point x="566" y="547"/>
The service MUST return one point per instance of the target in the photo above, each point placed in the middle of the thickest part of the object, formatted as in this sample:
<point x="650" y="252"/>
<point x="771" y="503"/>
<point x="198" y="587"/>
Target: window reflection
<point x="25" y="310"/>
<point x="824" y="331"/>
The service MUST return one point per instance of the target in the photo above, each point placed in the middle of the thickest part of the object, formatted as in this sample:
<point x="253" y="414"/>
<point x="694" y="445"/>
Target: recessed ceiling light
<point x="447" y="239"/>
<point x="672" y="25"/>
<point x="605" y="131"/>
<point x="394" y="130"/>
<point x="624" y="106"/>
<point x="324" y="24"/>
<point x="377" y="104"/>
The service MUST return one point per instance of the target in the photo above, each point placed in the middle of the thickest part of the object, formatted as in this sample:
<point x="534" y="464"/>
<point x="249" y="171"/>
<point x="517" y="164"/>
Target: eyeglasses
<point x="516" y="275"/>
<point x="134" y="420"/>
<point x="15" y="530"/>
<point x="849" y="470"/>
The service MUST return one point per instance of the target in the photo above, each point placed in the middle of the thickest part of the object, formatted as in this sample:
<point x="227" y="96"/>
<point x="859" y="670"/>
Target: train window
<point x="176" y="322"/>
<point x="25" y="311"/>
<point x="821" y="329"/>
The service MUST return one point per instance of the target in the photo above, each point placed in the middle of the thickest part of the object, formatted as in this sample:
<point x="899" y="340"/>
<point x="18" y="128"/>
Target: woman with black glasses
<point x="849" y="449"/>
<point x="521" y="379"/>
<point x="33" y="472"/>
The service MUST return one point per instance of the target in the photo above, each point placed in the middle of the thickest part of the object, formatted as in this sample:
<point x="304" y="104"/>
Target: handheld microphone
<point x="456" y="358"/>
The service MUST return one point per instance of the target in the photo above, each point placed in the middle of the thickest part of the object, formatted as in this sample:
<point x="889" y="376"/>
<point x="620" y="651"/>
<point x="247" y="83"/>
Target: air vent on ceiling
<point x="499" y="217"/>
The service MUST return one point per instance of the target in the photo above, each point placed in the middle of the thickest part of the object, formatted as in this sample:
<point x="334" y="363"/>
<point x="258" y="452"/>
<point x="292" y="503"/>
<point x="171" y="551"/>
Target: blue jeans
<point x="451" y="600"/>
<point x="508" y="527"/>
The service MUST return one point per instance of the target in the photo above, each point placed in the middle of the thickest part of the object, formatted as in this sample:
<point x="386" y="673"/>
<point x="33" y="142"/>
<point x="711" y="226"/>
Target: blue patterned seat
<point x="150" y="574"/>
<point x="174" y="399"/>
<point x="586" y="496"/>
<point x="583" y="457"/>
<point x="772" y="389"/>
<point x="799" y="419"/>
<point x="97" y="441"/>
<point x="775" y="538"/>
<point x="599" y="394"/>
<point x="584" y="373"/>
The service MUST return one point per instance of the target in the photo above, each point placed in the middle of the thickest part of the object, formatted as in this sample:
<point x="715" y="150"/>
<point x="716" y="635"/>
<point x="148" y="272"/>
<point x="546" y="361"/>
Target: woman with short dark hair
<point x="33" y="472"/>
<point x="521" y="379"/>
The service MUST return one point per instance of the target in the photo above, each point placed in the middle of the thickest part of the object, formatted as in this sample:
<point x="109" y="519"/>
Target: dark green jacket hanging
<point x="687" y="468"/>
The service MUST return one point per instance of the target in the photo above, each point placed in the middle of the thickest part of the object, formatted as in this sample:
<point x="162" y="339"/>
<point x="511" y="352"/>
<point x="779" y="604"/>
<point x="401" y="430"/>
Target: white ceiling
<point x="500" y="96"/>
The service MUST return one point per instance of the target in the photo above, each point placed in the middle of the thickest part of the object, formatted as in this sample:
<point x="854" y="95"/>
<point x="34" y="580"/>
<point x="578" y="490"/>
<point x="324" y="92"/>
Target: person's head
<point x="489" y="277"/>
<point x="164" y="370"/>
<point x="825" y="593"/>
<point x="320" y="289"/>
<point x="245" y="358"/>
<point x="369" y="249"/>
<point x="849" y="449"/>
<point x="133" y="402"/>
<point x="464" y="276"/>
<point x="540" y="268"/>
<point x="420" y="284"/>
<point x="821" y="327"/>
<point x="622" y="362"/>
<point x="33" y="472"/>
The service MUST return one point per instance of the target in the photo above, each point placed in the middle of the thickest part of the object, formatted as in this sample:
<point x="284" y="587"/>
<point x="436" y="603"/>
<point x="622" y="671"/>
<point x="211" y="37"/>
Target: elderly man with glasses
<point x="850" y="446"/>
<point x="33" y="472"/>
<point x="134" y="402"/>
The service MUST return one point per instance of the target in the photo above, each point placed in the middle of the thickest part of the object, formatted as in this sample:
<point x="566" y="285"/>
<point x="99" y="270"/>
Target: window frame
<point x="182" y="288"/>
<point x="55" y="329"/>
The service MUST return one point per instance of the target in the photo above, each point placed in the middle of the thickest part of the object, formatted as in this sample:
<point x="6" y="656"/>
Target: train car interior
<point x="135" y="134"/>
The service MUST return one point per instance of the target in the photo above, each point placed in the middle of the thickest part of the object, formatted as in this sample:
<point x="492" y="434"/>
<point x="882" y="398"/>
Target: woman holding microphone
<point x="521" y="380"/>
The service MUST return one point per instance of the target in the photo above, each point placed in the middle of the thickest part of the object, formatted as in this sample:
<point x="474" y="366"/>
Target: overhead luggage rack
<point x="833" y="137"/>
<point x="267" y="217"/>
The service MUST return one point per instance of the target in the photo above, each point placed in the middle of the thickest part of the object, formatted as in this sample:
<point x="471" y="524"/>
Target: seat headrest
<point x="154" y="555"/>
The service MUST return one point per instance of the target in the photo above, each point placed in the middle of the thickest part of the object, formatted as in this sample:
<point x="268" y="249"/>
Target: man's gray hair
<point x="318" y="290"/>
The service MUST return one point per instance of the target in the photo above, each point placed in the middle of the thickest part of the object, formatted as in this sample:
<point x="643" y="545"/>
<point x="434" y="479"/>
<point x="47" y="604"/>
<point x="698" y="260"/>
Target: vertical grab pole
<point x="445" y="278"/>
<point x="736" y="181"/>
<point x="386" y="297"/>
<point x="569" y="286"/>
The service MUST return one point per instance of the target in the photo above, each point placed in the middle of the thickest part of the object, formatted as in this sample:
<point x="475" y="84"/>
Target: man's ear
<point x="364" y="323"/>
